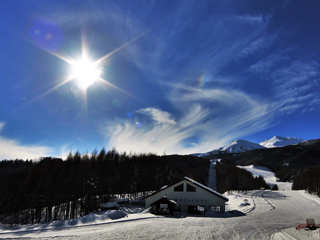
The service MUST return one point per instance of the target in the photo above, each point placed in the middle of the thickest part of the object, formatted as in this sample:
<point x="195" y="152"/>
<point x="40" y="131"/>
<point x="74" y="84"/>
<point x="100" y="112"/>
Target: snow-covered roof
<point x="196" y="183"/>
<point x="206" y="188"/>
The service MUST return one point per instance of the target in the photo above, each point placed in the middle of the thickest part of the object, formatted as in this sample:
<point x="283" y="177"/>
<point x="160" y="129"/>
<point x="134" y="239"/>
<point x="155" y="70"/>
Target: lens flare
<point x="46" y="34"/>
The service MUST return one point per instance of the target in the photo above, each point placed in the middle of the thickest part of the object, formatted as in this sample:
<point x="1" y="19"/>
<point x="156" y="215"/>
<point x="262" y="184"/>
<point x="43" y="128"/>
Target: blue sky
<point x="174" y="76"/>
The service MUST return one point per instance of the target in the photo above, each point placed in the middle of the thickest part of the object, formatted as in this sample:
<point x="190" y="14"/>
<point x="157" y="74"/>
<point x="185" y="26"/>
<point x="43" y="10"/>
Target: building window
<point x="190" y="188"/>
<point x="216" y="208"/>
<point x="179" y="188"/>
<point x="162" y="205"/>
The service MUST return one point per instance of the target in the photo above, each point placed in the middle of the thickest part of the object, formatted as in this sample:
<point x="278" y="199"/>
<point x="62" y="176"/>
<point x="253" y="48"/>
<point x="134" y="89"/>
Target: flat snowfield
<point x="267" y="213"/>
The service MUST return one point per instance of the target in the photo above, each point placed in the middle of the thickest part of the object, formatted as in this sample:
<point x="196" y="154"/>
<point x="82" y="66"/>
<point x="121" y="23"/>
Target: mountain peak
<point x="278" y="141"/>
<point x="278" y="137"/>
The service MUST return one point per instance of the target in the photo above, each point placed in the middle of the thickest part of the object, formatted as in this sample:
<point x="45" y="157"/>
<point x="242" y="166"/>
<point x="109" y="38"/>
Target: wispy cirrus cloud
<point x="213" y="44"/>
<point x="259" y="45"/>
<point x="158" y="115"/>
<point x="205" y="118"/>
<point x="292" y="79"/>
<point x="154" y="137"/>
<point x="294" y="85"/>
<point x="12" y="149"/>
<point x="234" y="115"/>
<point x="202" y="119"/>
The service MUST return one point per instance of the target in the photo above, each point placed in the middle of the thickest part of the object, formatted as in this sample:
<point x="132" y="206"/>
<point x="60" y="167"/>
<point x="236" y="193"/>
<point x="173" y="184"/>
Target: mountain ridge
<point x="297" y="156"/>
<point x="240" y="145"/>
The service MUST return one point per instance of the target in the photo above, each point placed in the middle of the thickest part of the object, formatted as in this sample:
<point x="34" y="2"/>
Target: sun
<point x="85" y="72"/>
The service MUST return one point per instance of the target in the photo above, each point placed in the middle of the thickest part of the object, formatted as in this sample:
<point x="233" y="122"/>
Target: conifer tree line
<point x="52" y="189"/>
<point x="308" y="179"/>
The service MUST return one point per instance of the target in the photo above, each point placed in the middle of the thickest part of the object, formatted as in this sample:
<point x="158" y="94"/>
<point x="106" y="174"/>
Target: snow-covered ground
<point x="253" y="215"/>
<point x="268" y="176"/>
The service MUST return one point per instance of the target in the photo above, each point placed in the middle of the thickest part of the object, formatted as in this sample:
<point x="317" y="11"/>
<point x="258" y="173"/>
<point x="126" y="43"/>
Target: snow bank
<point x="241" y="202"/>
<point x="312" y="197"/>
<point x="128" y="213"/>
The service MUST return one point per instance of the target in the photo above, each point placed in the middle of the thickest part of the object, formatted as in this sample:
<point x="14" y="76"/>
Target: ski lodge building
<point x="189" y="195"/>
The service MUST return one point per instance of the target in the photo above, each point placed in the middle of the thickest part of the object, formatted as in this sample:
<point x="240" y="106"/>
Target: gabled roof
<point x="195" y="183"/>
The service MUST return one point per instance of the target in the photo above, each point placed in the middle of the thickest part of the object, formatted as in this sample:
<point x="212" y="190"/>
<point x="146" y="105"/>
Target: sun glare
<point x="85" y="72"/>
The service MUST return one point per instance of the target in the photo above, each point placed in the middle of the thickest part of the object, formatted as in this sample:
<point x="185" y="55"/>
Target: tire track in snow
<point x="270" y="203"/>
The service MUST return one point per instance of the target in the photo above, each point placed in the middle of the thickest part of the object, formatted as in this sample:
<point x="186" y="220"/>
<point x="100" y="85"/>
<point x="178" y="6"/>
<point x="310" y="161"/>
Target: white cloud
<point x="258" y="45"/>
<point x="158" y="115"/>
<point x="11" y="149"/>
<point x="2" y="124"/>
<point x="157" y="138"/>
<point x="251" y="19"/>
<point x="294" y="86"/>
<point x="235" y="114"/>
<point x="213" y="44"/>
<point x="266" y="65"/>
<point x="65" y="150"/>
<point x="292" y="79"/>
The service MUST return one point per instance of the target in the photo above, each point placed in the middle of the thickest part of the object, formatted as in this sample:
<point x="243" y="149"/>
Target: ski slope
<point x="268" y="176"/>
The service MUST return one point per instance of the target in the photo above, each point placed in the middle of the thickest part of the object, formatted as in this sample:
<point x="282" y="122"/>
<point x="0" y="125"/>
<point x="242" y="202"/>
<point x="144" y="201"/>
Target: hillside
<point x="303" y="155"/>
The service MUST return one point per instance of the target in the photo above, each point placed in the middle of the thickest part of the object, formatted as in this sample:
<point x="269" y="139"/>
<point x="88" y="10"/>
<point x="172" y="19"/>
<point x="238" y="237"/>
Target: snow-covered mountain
<point x="240" y="146"/>
<point x="236" y="146"/>
<point x="278" y="141"/>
